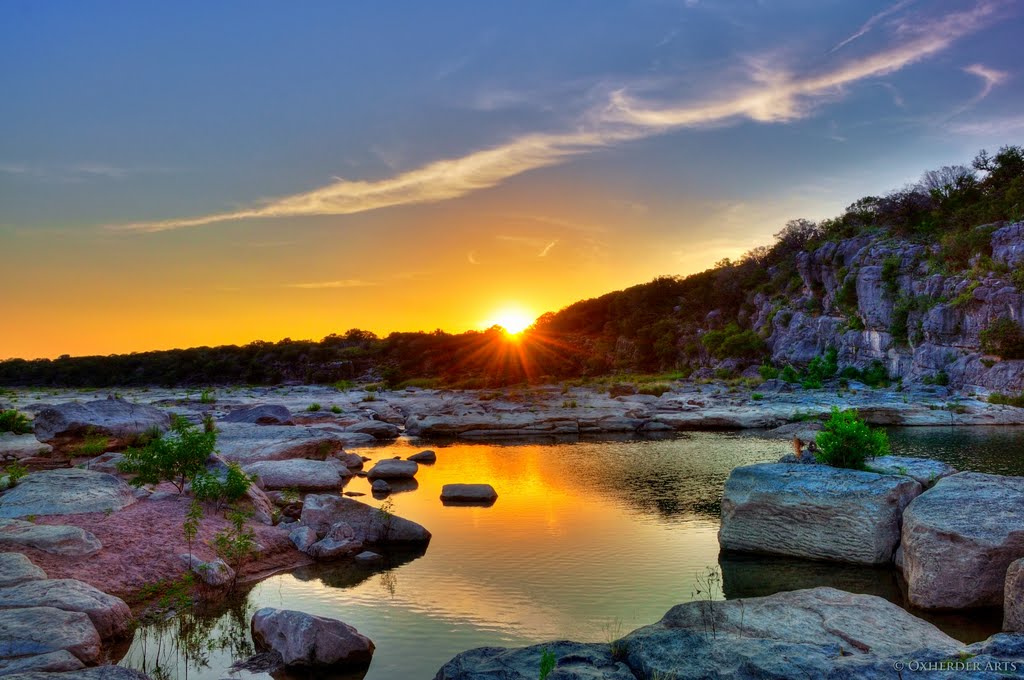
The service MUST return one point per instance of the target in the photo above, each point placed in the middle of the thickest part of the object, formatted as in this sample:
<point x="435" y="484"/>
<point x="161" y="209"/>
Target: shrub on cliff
<point x="1004" y="338"/>
<point x="174" y="458"/>
<point x="847" y="441"/>
<point x="732" y="342"/>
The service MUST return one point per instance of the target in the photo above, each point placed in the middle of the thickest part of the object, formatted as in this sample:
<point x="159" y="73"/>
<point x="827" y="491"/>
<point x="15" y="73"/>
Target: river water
<point x="587" y="541"/>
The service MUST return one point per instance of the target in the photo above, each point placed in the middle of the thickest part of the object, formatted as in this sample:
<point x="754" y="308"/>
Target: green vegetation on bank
<point x="847" y="441"/>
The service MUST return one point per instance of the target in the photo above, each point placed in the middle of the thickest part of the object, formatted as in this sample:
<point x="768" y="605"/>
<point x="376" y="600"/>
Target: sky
<point x="209" y="172"/>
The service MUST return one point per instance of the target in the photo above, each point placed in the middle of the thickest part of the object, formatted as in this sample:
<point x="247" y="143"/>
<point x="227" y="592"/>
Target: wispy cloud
<point x="471" y="257"/>
<point x="547" y="249"/>
<point x="989" y="76"/>
<point x="871" y="23"/>
<point x="993" y="127"/>
<point x="772" y="95"/>
<point x="343" y="283"/>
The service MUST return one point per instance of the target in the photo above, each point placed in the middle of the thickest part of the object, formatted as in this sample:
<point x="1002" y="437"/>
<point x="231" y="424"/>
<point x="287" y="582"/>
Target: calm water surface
<point x="587" y="541"/>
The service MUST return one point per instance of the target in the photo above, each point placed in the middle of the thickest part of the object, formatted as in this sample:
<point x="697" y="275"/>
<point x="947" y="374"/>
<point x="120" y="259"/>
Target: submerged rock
<point x="307" y="640"/>
<point x="66" y="492"/>
<point x="959" y="539"/>
<point x="476" y="494"/>
<point x="57" y="539"/>
<point x="814" y="511"/>
<point x="112" y="417"/>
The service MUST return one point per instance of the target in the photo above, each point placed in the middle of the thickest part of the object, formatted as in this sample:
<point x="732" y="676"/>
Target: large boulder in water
<point x="41" y="630"/>
<point x="468" y="494"/>
<point x="112" y="417"/>
<point x="814" y="511"/>
<point x="370" y="524"/>
<point x="110" y="615"/>
<point x="959" y="539"/>
<point x="299" y="473"/>
<point x="393" y="468"/>
<point x="312" y="641"/>
<point x="67" y="491"/>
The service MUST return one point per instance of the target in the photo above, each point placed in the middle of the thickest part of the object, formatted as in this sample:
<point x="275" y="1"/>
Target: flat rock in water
<point x="69" y="491"/>
<point x="247" y="444"/>
<point x="110" y="615"/>
<point x="574" y="661"/>
<point x="19" y="446"/>
<point x="299" y="474"/>
<point x="15" y="568"/>
<point x="959" y="538"/>
<point x="56" y="539"/>
<point x="479" y="494"/>
<point x="352" y="461"/>
<point x="370" y="524"/>
<point x="814" y="511"/>
<point x="394" y="469"/>
<point x="377" y="429"/>
<point x="112" y="417"/>
<point x="926" y="472"/>
<point x="261" y="414"/>
<point x="427" y="456"/>
<point x="41" y="630"/>
<point x="307" y="640"/>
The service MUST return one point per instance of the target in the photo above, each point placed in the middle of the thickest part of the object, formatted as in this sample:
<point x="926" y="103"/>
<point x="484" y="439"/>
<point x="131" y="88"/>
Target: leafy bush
<point x="757" y="396"/>
<point x="890" y="276"/>
<point x="92" y="445"/>
<point x="790" y="374"/>
<point x="732" y="342"/>
<point x="207" y="397"/>
<point x="874" y="375"/>
<point x="847" y="441"/>
<point x="654" y="389"/>
<point x="1006" y="399"/>
<point x="236" y="544"/>
<point x="12" y="421"/>
<point x="14" y="472"/>
<point x="1004" y="338"/>
<point x="211" y="487"/>
<point x="174" y="458"/>
<point x="314" y="407"/>
<point x="768" y="372"/>
<point x="941" y="378"/>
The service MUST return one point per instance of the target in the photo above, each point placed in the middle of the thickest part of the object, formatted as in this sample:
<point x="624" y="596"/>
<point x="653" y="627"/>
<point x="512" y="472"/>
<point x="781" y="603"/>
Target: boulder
<point x="814" y="633"/>
<point x="67" y="491"/>
<point x="379" y="486"/>
<point x="247" y="444"/>
<point x="105" y="462"/>
<point x="574" y="661"/>
<point x="924" y="471"/>
<point x="300" y="474"/>
<point x="263" y="507"/>
<point x="215" y="573"/>
<point x="427" y="456"/>
<point x="110" y="615"/>
<point x="369" y="557"/>
<point x="303" y="537"/>
<point x="306" y="640"/>
<point x="17" y="446"/>
<point x="261" y="414"/>
<point x="370" y="524"/>
<point x="15" y="568"/>
<point x="353" y="461"/>
<point x="377" y="429"/>
<point x="967" y="524"/>
<point x="475" y="494"/>
<point x="1013" y="597"/>
<point x="814" y="511"/>
<point x="41" y="630"/>
<point x="394" y="469"/>
<point x="60" y="661"/>
<point x="339" y="541"/>
<point x="106" y="672"/>
<point x="56" y="539"/>
<point x="112" y="417"/>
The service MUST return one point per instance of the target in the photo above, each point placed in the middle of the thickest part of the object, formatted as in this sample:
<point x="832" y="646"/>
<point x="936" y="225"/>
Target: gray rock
<point x="215" y="573"/>
<point x="394" y="469"/>
<point x="112" y="417"/>
<point x="369" y="557"/>
<point x="476" y="494"/>
<point x="67" y="491"/>
<point x="1008" y="245"/>
<point x="1013" y="597"/>
<point x="814" y="511"/>
<point x="371" y="525"/>
<point x="303" y="537"/>
<point x="805" y="431"/>
<point x="340" y="541"/>
<point x="926" y="472"/>
<point x="19" y="446"/>
<point x="110" y="615"/>
<point x="574" y="661"/>
<point x="306" y="640"/>
<point x="380" y="486"/>
<point x="246" y="444"/>
<point x="106" y="462"/>
<point x="967" y="524"/>
<point x="107" y="672"/>
<point x="50" y="662"/>
<point x="41" y="630"/>
<point x="262" y="414"/>
<point x="15" y="568"/>
<point x="377" y="429"/>
<point x="427" y="456"/>
<point x="300" y="474"/>
<point x="56" y="539"/>
<point x="353" y="461"/>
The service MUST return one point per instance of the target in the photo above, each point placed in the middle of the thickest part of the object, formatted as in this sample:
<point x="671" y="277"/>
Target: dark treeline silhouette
<point x="656" y="326"/>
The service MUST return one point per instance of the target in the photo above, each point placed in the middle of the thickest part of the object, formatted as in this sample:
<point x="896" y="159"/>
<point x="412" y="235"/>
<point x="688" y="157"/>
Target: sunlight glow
<point x="512" y="319"/>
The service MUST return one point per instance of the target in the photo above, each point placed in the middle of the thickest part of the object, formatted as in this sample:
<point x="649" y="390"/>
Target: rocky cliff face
<point x="888" y="300"/>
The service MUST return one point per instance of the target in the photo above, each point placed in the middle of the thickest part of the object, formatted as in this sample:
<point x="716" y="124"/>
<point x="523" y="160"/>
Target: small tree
<point x="847" y="441"/>
<point x="190" y="528"/>
<point x="174" y="458"/>
<point x="211" y="487"/>
<point x="236" y="544"/>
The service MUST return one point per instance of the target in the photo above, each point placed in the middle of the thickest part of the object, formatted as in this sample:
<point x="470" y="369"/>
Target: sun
<point x="512" y="319"/>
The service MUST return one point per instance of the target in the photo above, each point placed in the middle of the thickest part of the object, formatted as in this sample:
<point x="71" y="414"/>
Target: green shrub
<point x="14" y="472"/>
<point x="174" y="458"/>
<point x="654" y="389"/>
<point x="1006" y="399"/>
<point x="732" y="342"/>
<point x="874" y="375"/>
<point x="314" y="407"/>
<point x="547" y="663"/>
<point x="12" y="421"/>
<point x="335" y="409"/>
<point x="891" y="276"/>
<point x="790" y="374"/>
<point x="236" y="544"/>
<point x="846" y="296"/>
<point x="1004" y="338"/>
<point x="768" y="372"/>
<point x="847" y="441"/>
<point x="757" y="396"/>
<point x="206" y="397"/>
<point x="211" y="487"/>
<point x="92" y="445"/>
<point x="1017" y="277"/>
<point x="940" y="378"/>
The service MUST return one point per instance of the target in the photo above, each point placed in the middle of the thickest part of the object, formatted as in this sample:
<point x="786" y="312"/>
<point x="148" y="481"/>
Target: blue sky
<point x="322" y="164"/>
